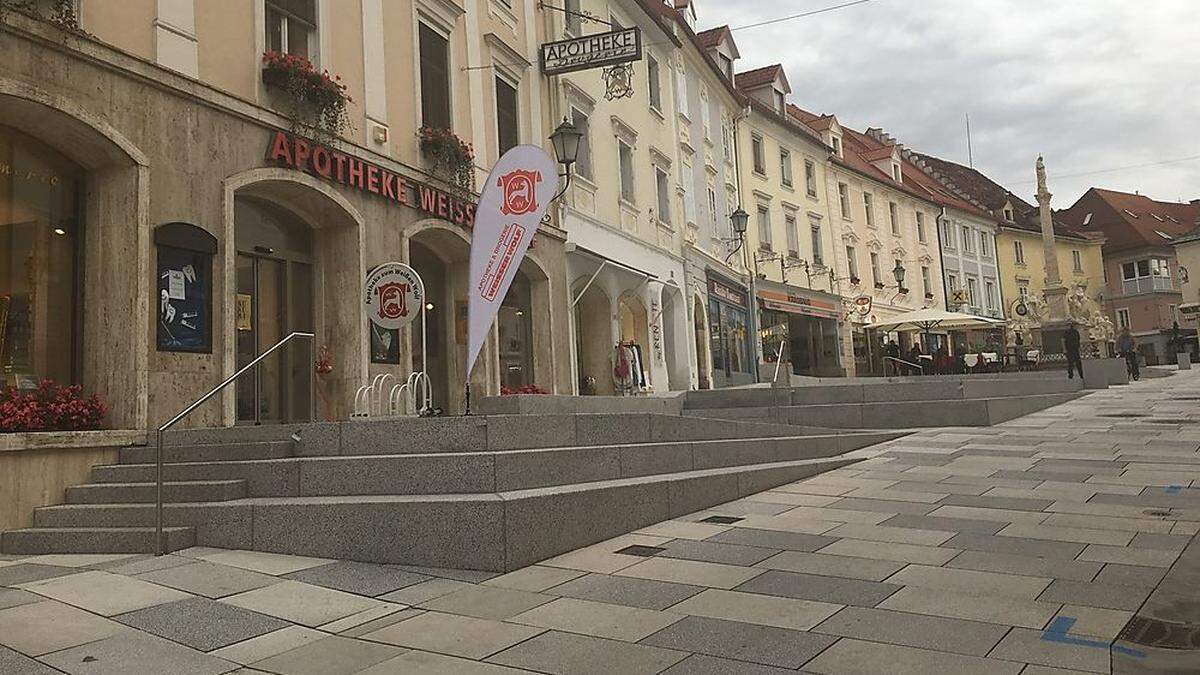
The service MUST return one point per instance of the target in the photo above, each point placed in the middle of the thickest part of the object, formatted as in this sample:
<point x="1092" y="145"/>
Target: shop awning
<point x="792" y="300"/>
<point x="931" y="318"/>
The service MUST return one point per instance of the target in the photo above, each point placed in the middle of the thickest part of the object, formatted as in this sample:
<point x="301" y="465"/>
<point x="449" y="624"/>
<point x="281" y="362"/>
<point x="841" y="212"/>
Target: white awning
<point x="931" y="318"/>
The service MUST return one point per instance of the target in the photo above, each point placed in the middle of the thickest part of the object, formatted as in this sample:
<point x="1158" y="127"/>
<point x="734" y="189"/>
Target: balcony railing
<point x="1147" y="285"/>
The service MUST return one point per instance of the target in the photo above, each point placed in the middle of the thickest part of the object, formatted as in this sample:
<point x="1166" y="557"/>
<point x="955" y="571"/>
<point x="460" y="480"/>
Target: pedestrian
<point x="1127" y="347"/>
<point x="1071" y="347"/>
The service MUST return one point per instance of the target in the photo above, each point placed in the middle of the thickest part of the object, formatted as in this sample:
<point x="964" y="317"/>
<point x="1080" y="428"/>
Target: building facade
<point x="1144" y="288"/>
<point x="176" y="208"/>
<point x="1187" y="252"/>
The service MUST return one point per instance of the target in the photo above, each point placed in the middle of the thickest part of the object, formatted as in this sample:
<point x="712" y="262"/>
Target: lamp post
<point x="566" y="140"/>
<point x="740" y="220"/>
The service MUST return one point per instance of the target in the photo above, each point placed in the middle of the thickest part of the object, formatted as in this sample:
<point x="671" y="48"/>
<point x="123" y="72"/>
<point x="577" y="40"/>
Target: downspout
<point x="945" y="287"/>
<point x="746" y="256"/>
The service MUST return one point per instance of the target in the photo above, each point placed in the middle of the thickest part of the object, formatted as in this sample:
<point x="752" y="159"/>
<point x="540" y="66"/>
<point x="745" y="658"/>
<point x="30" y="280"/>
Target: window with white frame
<point x="689" y="195"/>
<point x="583" y="162"/>
<point x="972" y="292"/>
<point x="876" y="273"/>
<point x="759" y="154"/>
<point x="952" y="281"/>
<point x="837" y="146"/>
<point x="844" y="199"/>
<point x="1144" y="276"/>
<point x="985" y="246"/>
<point x="705" y="113"/>
<point x="1077" y="261"/>
<point x="662" y="186"/>
<point x="764" y="228"/>
<point x="785" y="167"/>
<point x="921" y="227"/>
<point x="810" y="177"/>
<point x="968" y="240"/>
<point x="947" y="231"/>
<point x="894" y="217"/>
<point x="681" y="91"/>
<point x="712" y="205"/>
<point x="851" y="263"/>
<point x="1019" y="252"/>
<point x="727" y="66"/>
<point x="793" y="235"/>
<point x="869" y="206"/>
<point x="292" y="27"/>
<point x="508" y="133"/>
<point x="625" y="157"/>
<point x="435" y="77"/>
<point x="727" y="138"/>
<point x="1123" y="318"/>
<point x="654" y="82"/>
<point x="926" y="281"/>
<point x="818" y="257"/>
<point x="989" y="294"/>
<point x="780" y="102"/>
<point x="896" y="172"/>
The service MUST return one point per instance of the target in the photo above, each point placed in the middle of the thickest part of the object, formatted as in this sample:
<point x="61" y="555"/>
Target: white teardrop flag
<point x="512" y="203"/>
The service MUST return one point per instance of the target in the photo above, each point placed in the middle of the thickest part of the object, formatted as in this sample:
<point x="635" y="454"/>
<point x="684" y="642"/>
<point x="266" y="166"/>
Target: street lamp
<point x="898" y="272"/>
<point x="740" y="220"/>
<point x="566" y="140"/>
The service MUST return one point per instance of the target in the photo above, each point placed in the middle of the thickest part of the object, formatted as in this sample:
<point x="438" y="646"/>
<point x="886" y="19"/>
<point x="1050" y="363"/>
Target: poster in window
<point x="184" y="300"/>
<point x="385" y="344"/>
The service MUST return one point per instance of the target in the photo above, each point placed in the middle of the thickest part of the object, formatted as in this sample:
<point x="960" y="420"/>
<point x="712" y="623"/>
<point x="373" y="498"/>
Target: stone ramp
<point x="475" y="493"/>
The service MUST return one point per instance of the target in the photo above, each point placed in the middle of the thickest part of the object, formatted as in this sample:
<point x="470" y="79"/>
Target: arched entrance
<point x="514" y="324"/>
<point x="441" y="256"/>
<point x="700" y="330"/>
<point x="594" y="340"/>
<point x="634" y="332"/>
<point x="674" y="327"/>
<point x="274" y="296"/>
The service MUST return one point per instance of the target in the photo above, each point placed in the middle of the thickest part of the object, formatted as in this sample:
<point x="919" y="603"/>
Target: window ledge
<point x="658" y="113"/>
<point x="760" y="174"/>
<point x="628" y="205"/>
<point x="812" y="196"/>
<point x="788" y="186"/>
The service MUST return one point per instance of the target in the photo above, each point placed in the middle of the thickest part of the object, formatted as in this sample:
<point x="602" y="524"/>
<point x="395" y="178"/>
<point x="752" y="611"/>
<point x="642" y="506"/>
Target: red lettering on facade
<point x="321" y="161"/>
<point x="301" y="154"/>
<point x="443" y="203"/>
<point x="339" y="173"/>
<point x="388" y="188"/>
<point x="281" y="150"/>
<point x="372" y="179"/>
<point x="402" y="190"/>
<point x="356" y="173"/>
<point x="428" y="199"/>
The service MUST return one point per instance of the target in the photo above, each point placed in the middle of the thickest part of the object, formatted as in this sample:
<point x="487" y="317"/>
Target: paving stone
<point x="822" y="588"/>
<point x="14" y="663"/>
<point x="643" y="593"/>
<point x="905" y="553"/>
<point x="134" y="653"/>
<point x="26" y="628"/>
<point x="1036" y="548"/>
<point x="713" y="575"/>
<point x="678" y="529"/>
<point x="944" y="524"/>
<point x="824" y="564"/>
<point x="103" y="593"/>
<point x="301" y="603"/>
<point x="270" y="644"/>
<point x="353" y="626"/>
<point x="1095" y="595"/>
<point x="455" y="635"/>
<point x="1007" y="503"/>
<point x="358" y="578"/>
<point x="23" y="573"/>
<point x="467" y="576"/>
<point x="1067" y="534"/>
<point x="778" y="523"/>
<point x="891" y="534"/>
<point x="883" y="506"/>
<point x="858" y="656"/>
<point x="80" y="560"/>
<point x="329" y="656"/>
<point x="1022" y="644"/>
<point x="567" y="654"/>
<point x="776" y="539"/>
<point x="897" y="495"/>
<point x="1145" y="557"/>
<point x="746" y="507"/>
<point x="699" y="664"/>
<point x="914" y="630"/>
<point x="201" y="623"/>
<point x="209" y="579"/>
<point x="765" y="610"/>
<point x="598" y="619"/>
<point x="486" y="602"/>
<point x="148" y="564"/>
<point x="1096" y="622"/>
<point x="424" y="591"/>
<point x="1166" y="542"/>
<point x="1097" y="522"/>
<point x="1005" y="563"/>
<point x="835" y="515"/>
<point x="709" y="551"/>
<point x="764" y="645"/>
<point x="534" y="578"/>
<point x="423" y="663"/>
<point x="1128" y="575"/>
<point x="13" y="597"/>
<point x="989" y="609"/>
<point x="987" y="514"/>
<point x="267" y="563"/>
<point x="970" y="581"/>
<point x="940" y="488"/>
<point x="791" y="498"/>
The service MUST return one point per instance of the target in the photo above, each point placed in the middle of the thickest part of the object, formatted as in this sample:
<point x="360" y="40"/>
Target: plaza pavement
<point x="947" y="551"/>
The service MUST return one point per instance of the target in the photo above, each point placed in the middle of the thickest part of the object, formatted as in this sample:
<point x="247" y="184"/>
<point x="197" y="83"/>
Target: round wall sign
<point x="863" y="304"/>
<point x="393" y="295"/>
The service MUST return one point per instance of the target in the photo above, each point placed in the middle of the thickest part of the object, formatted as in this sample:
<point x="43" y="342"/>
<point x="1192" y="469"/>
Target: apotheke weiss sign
<point x="592" y="51"/>
<point x="393" y="295"/>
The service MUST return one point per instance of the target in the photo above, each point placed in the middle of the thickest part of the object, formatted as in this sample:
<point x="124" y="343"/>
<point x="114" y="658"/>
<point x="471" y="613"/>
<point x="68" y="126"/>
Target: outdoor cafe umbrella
<point x="927" y="319"/>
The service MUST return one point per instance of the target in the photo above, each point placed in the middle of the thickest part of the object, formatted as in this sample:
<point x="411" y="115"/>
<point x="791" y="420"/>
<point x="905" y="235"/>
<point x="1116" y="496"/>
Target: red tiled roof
<point x="1131" y="220"/>
<point x="712" y="37"/>
<point x="673" y="15"/>
<point x="874" y="155"/>
<point x="757" y="78"/>
<point x="786" y="121"/>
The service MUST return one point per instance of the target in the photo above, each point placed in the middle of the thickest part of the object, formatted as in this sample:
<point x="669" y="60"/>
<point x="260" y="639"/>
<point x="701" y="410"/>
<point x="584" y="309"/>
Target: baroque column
<point x="1054" y="319"/>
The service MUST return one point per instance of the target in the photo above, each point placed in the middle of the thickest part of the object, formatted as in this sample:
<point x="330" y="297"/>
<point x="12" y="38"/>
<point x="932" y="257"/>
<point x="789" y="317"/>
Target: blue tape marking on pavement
<point x="1173" y="489"/>
<point x="1057" y="632"/>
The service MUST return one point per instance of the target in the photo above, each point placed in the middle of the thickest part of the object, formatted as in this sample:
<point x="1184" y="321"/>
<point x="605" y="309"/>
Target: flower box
<point x="316" y="100"/>
<point x="452" y="156"/>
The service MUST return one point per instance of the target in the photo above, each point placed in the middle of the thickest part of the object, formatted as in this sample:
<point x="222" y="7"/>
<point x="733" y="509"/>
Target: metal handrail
<point x="158" y="498"/>
<point x="910" y="364"/>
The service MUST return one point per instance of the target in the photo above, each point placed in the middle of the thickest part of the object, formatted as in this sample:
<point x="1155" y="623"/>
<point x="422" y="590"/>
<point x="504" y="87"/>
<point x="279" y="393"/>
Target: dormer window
<point x="837" y="145"/>
<point x="727" y="66"/>
<point x="1008" y="215"/>
<point x="895" y="172"/>
<point x="780" y="102"/>
<point x="1087" y="219"/>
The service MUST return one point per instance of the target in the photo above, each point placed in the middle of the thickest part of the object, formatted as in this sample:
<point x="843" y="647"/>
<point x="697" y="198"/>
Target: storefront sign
<point x="726" y="293"/>
<point x="393" y="295"/>
<point x="958" y="296"/>
<point x="313" y="158"/>
<point x="592" y="51"/>
<point x="1190" y="311"/>
<point x="862" y="304"/>
<point x="516" y="195"/>
<point x="798" y="304"/>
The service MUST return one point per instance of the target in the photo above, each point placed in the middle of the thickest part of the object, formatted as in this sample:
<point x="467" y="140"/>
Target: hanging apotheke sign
<point x="592" y="51"/>
<point x="393" y="295"/>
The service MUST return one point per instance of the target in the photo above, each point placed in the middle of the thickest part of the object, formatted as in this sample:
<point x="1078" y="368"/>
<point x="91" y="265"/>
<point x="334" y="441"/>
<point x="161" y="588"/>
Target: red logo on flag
<point x="520" y="192"/>
<point x="393" y="300"/>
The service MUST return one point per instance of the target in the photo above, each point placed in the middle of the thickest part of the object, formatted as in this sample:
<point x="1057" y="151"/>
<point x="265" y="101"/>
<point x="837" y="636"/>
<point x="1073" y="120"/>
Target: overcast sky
<point x="1090" y="84"/>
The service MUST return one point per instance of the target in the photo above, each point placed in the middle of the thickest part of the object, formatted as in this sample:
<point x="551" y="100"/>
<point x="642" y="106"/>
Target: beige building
<point x="163" y="224"/>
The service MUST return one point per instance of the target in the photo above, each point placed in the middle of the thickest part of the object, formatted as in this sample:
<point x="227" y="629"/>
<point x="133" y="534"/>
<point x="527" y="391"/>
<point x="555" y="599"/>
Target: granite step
<point x="211" y="452"/>
<point x="43" y="540"/>
<point x="145" y="492"/>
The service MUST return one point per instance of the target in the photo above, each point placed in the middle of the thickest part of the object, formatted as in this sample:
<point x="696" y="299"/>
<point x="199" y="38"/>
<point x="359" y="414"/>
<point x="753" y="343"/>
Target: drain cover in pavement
<point x="1158" y="513"/>
<point x="721" y="520"/>
<point x="643" y="551"/>
<point x="1143" y="630"/>
<point x="1185" y="398"/>
<point x="1124" y="415"/>
<point x="1181" y="420"/>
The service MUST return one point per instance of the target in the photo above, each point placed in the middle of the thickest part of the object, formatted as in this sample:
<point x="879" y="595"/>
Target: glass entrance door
<point x="274" y="298"/>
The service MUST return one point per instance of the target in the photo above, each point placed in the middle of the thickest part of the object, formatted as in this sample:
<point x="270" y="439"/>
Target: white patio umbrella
<point x="930" y="318"/>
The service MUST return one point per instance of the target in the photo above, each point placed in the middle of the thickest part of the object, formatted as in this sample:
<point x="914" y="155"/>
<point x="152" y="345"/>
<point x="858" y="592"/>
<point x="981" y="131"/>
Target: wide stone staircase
<point x="493" y="492"/>
<point x="891" y="403"/>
